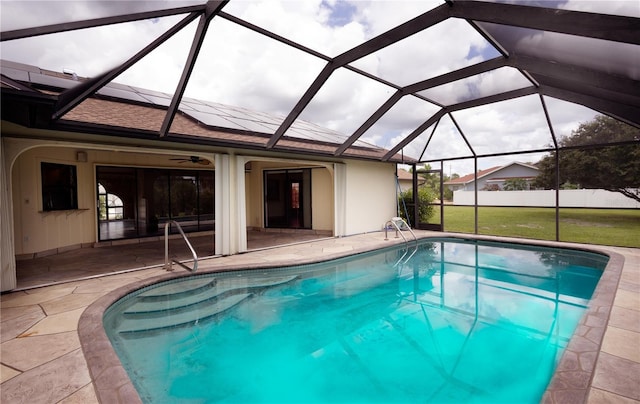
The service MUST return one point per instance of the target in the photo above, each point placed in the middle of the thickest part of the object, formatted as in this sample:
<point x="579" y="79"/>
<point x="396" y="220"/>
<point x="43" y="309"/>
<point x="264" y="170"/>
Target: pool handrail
<point x="167" y="262"/>
<point x="393" y="221"/>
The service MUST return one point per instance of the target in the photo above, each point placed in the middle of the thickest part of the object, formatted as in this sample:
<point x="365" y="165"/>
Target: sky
<point x="242" y="68"/>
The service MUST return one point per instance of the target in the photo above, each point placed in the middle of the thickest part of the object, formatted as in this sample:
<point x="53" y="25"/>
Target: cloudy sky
<point x="239" y="67"/>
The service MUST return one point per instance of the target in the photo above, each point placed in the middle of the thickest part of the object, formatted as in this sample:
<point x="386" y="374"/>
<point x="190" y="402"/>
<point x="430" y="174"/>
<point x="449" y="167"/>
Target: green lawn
<point x="592" y="226"/>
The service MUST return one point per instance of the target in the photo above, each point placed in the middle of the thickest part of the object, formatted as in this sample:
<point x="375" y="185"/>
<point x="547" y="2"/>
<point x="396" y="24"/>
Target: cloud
<point x="429" y="53"/>
<point x="239" y="67"/>
<point x="628" y="8"/>
<point x="89" y="51"/>
<point x="481" y="85"/>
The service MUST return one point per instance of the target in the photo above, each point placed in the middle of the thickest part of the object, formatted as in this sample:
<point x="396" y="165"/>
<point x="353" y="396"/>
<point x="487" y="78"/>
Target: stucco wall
<point x="321" y="193"/>
<point x="37" y="231"/>
<point x="370" y="196"/>
<point x="49" y="232"/>
<point x="369" y="200"/>
<point x="322" y="199"/>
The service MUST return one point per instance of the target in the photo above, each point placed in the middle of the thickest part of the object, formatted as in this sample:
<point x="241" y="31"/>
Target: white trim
<point x="241" y="202"/>
<point x="222" y="215"/>
<point x="8" y="276"/>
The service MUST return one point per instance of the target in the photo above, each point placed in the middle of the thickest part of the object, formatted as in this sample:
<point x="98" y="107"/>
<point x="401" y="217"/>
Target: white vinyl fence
<point x="572" y="198"/>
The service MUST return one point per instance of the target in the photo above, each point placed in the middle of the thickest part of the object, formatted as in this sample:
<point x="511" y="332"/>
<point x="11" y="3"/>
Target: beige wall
<point x="322" y="199"/>
<point x="41" y="232"/>
<point x="370" y="196"/>
<point x="255" y="211"/>
<point x="38" y="231"/>
<point x="369" y="189"/>
<point x="321" y="193"/>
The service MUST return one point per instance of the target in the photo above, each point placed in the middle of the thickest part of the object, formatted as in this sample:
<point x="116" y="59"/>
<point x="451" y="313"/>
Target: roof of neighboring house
<point x="404" y="175"/>
<point x="483" y="173"/>
<point x="500" y="179"/>
<point x="120" y="110"/>
<point x="471" y="177"/>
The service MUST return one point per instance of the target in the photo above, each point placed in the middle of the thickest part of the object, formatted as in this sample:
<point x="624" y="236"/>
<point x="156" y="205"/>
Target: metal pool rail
<point x="167" y="262"/>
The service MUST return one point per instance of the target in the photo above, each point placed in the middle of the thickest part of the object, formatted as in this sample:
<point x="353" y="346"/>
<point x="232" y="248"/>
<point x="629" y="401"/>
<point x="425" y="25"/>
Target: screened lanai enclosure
<point x="445" y="90"/>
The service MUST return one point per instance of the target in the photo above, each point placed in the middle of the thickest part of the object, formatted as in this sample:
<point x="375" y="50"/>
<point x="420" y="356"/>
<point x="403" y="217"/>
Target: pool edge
<point x="572" y="379"/>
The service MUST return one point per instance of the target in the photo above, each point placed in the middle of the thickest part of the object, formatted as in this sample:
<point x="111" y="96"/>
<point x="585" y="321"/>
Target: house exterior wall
<point x="42" y="233"/>
<point x="405" y="185"/>
<point x="370" y="200"/>
<point x="321" y="193"/>
<point x="39" y="232"/>
<point x="348" y="197"/>
<point x="322" y="199"/>
<point x="36" y="231"/>
<point x="255" y="211"/>
<point x="510" y="171"/>
<point x="8" y="277"/>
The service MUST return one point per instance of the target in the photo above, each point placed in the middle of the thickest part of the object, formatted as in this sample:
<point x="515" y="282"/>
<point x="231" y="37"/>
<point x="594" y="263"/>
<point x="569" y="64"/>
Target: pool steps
<point x="181" y="319"/>
<point x="176" y="289"/>
<point x="174" y="305"/>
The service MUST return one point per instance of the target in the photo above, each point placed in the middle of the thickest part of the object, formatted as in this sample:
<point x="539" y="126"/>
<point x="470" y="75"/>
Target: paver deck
<point x="42" y="360"/>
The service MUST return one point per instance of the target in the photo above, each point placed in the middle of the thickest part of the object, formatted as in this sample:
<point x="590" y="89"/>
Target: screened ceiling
<point x="425" y="79"/>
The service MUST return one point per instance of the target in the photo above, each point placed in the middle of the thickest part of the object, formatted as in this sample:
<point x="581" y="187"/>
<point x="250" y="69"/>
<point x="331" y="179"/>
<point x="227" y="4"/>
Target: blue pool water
<point x="449" y="321"/>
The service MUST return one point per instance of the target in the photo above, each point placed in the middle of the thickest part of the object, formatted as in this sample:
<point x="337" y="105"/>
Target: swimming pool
<point x="450" y="321"/>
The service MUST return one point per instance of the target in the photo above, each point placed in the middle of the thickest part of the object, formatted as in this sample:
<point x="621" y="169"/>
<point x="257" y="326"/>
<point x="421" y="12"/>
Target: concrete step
<point x="174" y="297"/>
<point x="199" y="313"/>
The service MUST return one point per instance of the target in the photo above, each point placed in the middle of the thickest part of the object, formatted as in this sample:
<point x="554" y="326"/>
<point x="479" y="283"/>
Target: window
<point x="110" y="205"/>
<point x="59" y="187"/>
<point x="137" y="202"/>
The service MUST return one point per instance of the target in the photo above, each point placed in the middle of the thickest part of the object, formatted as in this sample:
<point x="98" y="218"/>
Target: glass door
<point x="287" y="201"/>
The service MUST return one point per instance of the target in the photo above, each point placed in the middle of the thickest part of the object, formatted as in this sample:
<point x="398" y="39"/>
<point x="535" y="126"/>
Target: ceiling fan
<point x="192" y="159"/>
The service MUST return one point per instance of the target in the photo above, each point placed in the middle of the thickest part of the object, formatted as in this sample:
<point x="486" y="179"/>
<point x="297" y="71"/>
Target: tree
<point x="613" y="168"/>
<point x="432" y="181"/>
<point x="425" y="209"/>
<point x="515" y="184"/>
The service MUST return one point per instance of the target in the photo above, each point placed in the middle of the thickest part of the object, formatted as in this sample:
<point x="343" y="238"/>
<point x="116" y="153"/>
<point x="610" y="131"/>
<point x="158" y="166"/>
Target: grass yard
<point x="591" y="226"/>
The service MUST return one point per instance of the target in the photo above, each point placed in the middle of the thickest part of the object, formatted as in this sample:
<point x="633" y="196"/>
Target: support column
<point x="8" y="278"/>
<point x="340" y="199"/>
<point x="223" y="206"/>
<point x="241" y="204"/>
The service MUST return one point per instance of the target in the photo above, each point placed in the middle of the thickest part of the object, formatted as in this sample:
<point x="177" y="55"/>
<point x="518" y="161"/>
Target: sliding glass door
<point x="137" y="202"/>
<point x="288" y="199"/>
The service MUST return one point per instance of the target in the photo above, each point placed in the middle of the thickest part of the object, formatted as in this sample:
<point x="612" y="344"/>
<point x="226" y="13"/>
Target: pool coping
<point x="570" y="383"/>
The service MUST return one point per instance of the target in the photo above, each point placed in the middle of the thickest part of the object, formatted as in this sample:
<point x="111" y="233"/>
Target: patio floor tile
<point x="41" y="349"/>
<point x="617" y="375"/>
<point x="622" y="343"/>
<point x="48" y="383"/>
<point x="57" y="323"/>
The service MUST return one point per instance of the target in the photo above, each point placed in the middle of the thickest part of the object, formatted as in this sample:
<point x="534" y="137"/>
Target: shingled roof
<point x="111" y="115"/>
<point x="483" y="173"/>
